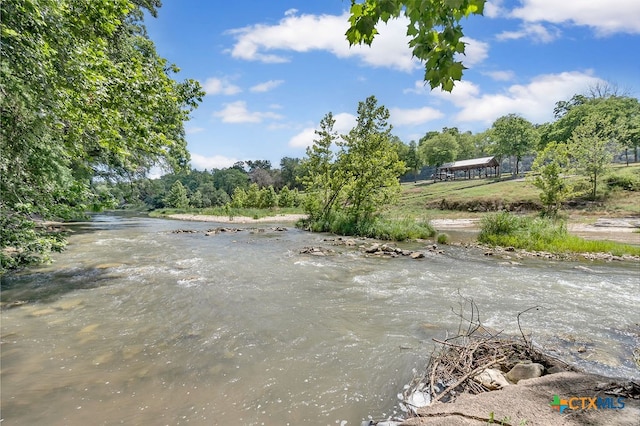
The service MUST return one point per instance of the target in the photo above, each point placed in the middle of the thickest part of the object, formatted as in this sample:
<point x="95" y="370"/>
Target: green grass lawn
<point x="424" y="198"/>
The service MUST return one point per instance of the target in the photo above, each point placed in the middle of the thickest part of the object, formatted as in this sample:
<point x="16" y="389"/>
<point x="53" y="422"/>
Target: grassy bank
<point x="377" y="227"/>
<point x="618" y="195"/>
<point x="542" y="234"/>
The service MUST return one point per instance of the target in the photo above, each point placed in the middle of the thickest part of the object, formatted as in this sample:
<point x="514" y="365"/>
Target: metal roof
<point x="471" y="164"/>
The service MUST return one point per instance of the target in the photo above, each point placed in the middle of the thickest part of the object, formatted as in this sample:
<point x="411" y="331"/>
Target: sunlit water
<point x="134" y="324"/>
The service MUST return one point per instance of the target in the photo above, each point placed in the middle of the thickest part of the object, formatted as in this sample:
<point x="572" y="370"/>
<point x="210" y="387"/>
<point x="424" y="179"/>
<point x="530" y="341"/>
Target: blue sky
<point x="272" y="69"/>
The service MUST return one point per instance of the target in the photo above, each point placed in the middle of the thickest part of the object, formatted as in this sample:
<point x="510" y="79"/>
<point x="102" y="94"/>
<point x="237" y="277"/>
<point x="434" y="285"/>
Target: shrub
<point x="373" y="227"/>
<point x="627" y="182"/>
<point x="443" y="238"/>
<point x="502" y="223"/>
<point x="543" y="234"/>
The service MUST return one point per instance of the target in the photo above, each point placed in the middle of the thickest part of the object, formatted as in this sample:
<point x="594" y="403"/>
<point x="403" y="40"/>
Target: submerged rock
<point x="219" y="230"/>
<point x="184" y="231"/>
<point x="316" y="251"/>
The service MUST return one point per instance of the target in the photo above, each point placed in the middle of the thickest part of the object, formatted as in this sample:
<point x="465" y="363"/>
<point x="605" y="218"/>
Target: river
<point x="135" y="324"/>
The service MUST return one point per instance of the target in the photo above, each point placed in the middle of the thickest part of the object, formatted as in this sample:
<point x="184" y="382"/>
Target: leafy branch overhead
<point x="84" y="99"/>
<point x="434" y="28"/>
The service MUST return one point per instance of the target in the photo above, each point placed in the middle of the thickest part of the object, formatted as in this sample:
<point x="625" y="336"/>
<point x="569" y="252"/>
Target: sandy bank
<point x="281" y="218"/>
<point x="620" y="230"/>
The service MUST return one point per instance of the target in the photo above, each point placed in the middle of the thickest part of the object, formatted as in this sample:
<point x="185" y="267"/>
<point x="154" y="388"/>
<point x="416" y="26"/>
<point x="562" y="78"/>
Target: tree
<point x="84" y="98"/>
<point x="591" y="147"/>
<point x="196" y="200"/>
<point x="549" y="167"/>
<point x="434" y="28"/>
<point x="258" y="164"/>
<point x="466" y="146"/>
<point x="290" y="171"/>
<point x="515" y="137"/>
<point x="177" y="197"/>
<point x="286" y="197"/>
<point x="365" y="174"/>
<point x="438" y="149"/>
<point x="230" y="179"/>
<point x="239" y="198"/>
<point x="412" y="160"/>
<point x="253" y="196"/>
<point x="262" y="177"/>
<point x="268" y="198"/>
<point x="622" y="111"/>
<point x="319" y="182"/>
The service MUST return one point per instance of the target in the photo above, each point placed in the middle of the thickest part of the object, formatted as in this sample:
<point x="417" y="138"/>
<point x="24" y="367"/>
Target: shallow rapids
<point x="135" y="324"/>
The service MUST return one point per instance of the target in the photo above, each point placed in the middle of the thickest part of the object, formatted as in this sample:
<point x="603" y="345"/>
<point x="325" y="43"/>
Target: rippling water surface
<point x="134" y="324"/>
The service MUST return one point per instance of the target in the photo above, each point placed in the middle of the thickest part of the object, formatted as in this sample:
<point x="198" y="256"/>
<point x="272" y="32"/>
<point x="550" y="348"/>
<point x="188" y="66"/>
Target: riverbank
<point x="529" y="403"/>
<point x="280" y="218"/>
<point x="622" y="230"/>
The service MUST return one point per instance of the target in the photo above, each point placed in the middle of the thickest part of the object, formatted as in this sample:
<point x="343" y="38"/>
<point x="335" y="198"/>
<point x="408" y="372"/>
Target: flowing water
<point x="135" y="324"/>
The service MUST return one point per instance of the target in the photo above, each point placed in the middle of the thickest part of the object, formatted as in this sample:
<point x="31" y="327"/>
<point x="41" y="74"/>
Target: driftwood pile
<point x="457" y="366"/>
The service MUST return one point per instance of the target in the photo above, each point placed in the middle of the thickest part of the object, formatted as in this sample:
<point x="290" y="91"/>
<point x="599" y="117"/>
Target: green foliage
<point x="442" y="238"/>
<point x="437" y="149"/>
<point x="290" y="172"/>
<point x="363" y="177"/>
<point x="514" y="136"/>
<point x="543" y="234"/>
<point x="196" y="200"/>
<point x="230" y="179"/>
<point x="286" y="198"/>
<point x="434" y="29"/>
<point x="253" y="196"/>
<point x="239" y="198"/>
<point x="24" y="243"/>
<point x="320" y="179"/>
<point x="500" y="224"/>
<point x="591" y="147"/>
<point x="374" y="227"/>
<point x="627" y="182"/>
<point x="549" y="168"/>
<point x="412" y="159"/>
<point x="177" y="197"/>
<point x="268" y="198"/>
<point x="622" y="112"/>
<point x="84" y="99"/>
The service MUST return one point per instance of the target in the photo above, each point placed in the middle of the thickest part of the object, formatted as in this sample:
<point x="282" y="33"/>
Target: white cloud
<point x="217" y="86"/>
<point x="344" y="123"/>
<point x="413" y="117"/>
<point x="534" y="101"/>
<point x="605" y="16"/>
<point x="476" y="51"/>
<point x="493" y="9"/>
<point x="266" y="86"/>
<point x="201" y="162"/>
<point x="500" y="75"/>
<point x="193" y="130"/>
<point x="303" y="139"/>
<point x="305" y="33"/>
<point x="537" y="32"/>
<point x="237" y="112"/>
